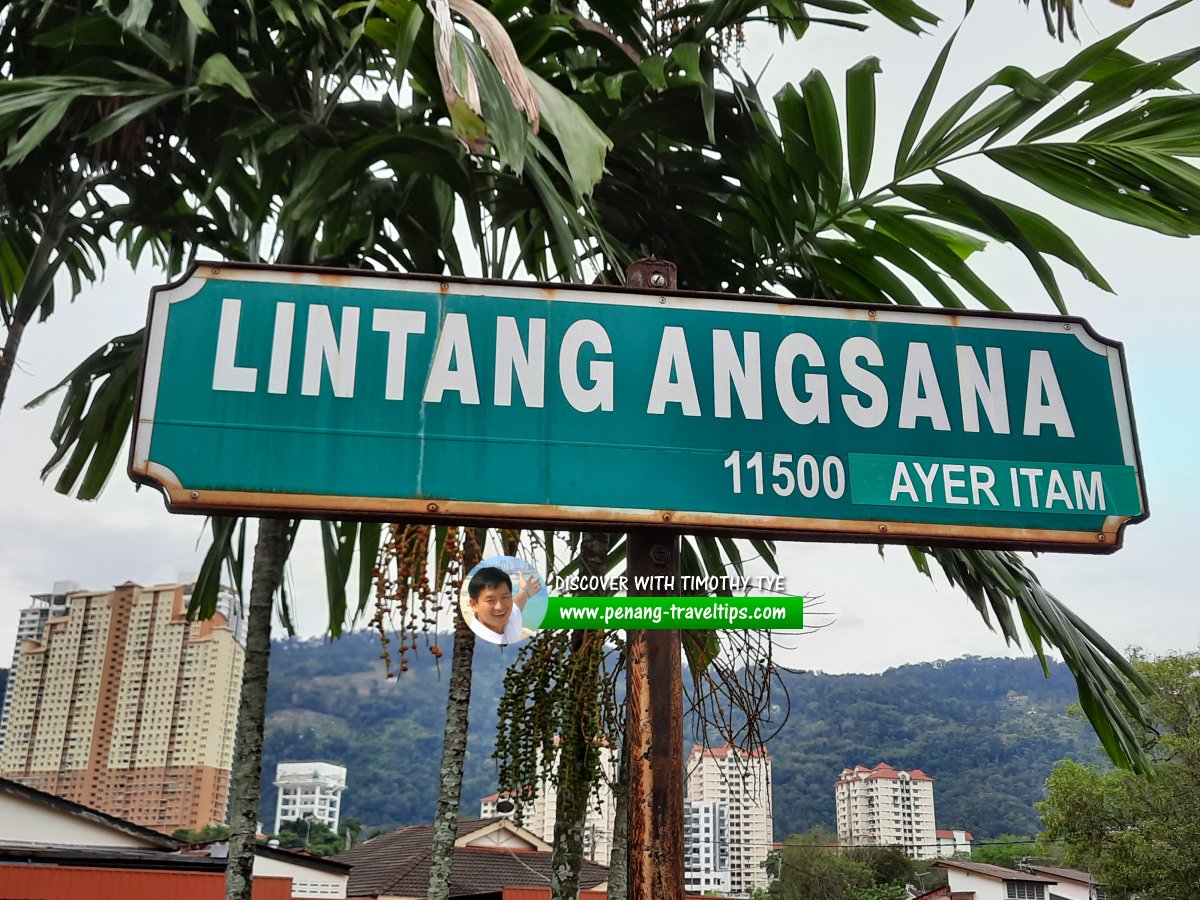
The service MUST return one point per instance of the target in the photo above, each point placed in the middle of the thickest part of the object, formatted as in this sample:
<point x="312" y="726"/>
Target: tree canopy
<point x="1139" y="834"/>
<point x="310" y="834"/>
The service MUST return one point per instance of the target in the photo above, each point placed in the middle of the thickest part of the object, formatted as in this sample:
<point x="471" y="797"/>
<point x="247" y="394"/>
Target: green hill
<point x="989" y="755"/>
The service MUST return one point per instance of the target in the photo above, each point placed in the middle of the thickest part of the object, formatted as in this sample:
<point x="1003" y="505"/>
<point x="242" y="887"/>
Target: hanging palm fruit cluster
<point x="561" y="680"/>
<point x="670" y="18"/>
<point x="418" y="576"/>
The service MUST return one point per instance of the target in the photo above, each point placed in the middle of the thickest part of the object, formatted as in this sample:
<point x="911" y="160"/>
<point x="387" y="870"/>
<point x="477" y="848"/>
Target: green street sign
<point x="360" y="394"/>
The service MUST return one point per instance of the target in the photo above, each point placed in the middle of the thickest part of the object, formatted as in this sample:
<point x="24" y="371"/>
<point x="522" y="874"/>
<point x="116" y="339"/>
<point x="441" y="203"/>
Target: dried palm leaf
<point x="459" y="84"/>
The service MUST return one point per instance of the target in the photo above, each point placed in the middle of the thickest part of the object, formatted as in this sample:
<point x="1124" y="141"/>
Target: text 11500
<point x="789" y="474"/>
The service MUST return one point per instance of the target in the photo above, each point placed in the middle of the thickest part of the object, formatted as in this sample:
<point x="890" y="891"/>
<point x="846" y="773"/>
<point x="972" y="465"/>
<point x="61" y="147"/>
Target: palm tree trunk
<point x="576" y="752"/>
<point x="8" y="359"/>
<point x="618" y="862"/>
<point x="574" y="788"/>
<point x="270" y="553"/>
<point x="454" y="743"/>
<point x="454" y="749"/>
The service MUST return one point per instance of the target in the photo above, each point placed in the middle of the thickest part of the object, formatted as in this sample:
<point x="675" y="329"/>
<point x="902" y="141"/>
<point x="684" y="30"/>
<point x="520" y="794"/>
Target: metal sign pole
<point x="654" y="698"/>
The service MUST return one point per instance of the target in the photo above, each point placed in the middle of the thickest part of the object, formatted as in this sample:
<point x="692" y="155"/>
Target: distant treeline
<point x="988" y="731"/>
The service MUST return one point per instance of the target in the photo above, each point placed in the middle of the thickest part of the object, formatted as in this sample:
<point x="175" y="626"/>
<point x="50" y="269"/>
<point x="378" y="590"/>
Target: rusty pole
<point x="654" y="697"/>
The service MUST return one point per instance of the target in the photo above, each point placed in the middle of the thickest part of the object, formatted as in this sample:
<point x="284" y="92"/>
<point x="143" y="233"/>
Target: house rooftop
<point x="95" y="816"/>
<point x="107" y="858"/>
<point x="989" y="871"/>
<point x="219" y="849"/>
<point x="397" y="863"/>
<point x="881" y="770"/>
<point x="1064" y="874"/>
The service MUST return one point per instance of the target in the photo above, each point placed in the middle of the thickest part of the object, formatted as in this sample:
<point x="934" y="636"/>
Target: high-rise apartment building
<point x="309" y="789"/>
<point x="29" y="628"/>
<point x="705" y="847"/>
<point x="124" y="705"/>
<point x="538" y="815"/>
<point x="883" y="807"/>
<point x="739" y="780"/>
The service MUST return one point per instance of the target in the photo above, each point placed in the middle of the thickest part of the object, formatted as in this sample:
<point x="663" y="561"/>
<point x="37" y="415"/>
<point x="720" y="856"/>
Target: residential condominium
<point x="705" y="847"/>
<point x="309" y="789"/>
<point x="739" y="780"/>
<point x="125" y="706"/>
<point x="29" y="627"/>
<point x="883" y="807"/>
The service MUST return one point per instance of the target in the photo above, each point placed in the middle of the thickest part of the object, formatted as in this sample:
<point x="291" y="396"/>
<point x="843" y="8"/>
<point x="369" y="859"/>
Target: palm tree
<point x="297" y="81"/>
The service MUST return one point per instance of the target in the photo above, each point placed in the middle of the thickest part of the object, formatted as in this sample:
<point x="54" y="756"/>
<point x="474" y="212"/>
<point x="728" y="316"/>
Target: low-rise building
<point x="31" y="818"/>
<point x="981" y="881"/>
<point x="1074" y="884"/>
<point x="311" y="876"/>
<point x="953" y="842"/>
<point x="55" y="849"/>
<point x="490" y="856"/>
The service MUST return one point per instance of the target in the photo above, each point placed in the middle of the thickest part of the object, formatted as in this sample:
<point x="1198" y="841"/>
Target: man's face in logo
<point x="493" y="606"/>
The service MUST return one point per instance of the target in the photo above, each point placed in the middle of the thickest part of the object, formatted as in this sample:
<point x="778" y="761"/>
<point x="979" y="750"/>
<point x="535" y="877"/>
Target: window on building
<point x="1019" y="890"/>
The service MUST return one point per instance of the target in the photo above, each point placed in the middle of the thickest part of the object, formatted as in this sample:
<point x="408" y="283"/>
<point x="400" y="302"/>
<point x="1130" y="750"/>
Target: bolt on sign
<point x="358" y="394"/>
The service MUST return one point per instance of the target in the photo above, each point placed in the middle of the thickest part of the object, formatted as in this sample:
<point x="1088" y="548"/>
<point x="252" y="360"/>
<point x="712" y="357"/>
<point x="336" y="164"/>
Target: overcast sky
<point x="883" y="613"/>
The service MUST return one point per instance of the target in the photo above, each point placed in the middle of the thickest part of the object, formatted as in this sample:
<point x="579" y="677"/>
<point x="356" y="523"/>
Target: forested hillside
<point x="989" y="755"/>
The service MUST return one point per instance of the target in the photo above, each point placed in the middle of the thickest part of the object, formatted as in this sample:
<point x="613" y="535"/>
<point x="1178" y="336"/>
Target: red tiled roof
<point x="850" y="776"/>
<point x="881" y="770"/>
<point x="476" y="870"/>
<point x="398" y="864"/>
<point x="948" y="833"/>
